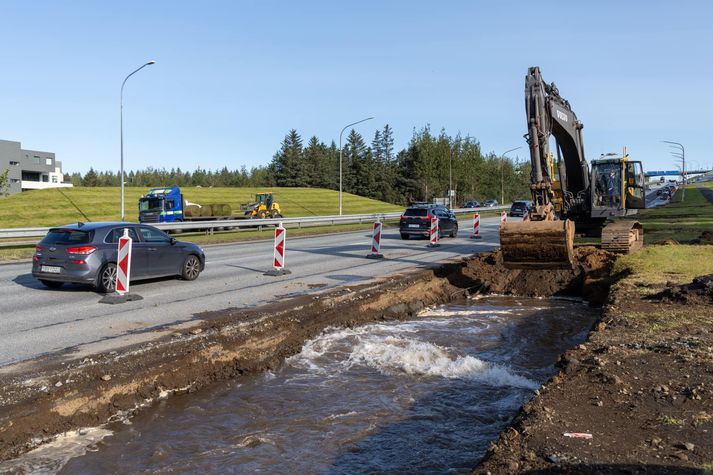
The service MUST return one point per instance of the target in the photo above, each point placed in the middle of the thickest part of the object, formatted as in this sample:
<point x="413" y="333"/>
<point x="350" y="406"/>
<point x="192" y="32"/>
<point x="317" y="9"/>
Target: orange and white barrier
<point x="476" y="226"/>
<point x="123" y="268"/>
<point x="503" y="217"/>
<point x="434" y="232"/>
<point x="526" y="215"/>
<point x="376" y="241"/>
<point x="278" y="255"/>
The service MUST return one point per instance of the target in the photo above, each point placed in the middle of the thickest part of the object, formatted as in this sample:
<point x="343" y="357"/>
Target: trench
<point x="423" y="395"/>
<point x="360" y="381"/>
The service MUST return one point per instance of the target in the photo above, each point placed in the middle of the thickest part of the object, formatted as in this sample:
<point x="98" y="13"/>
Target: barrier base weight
<point x="434" y="245"/>
<point x="277" y="272"/>
<point x="118" y="298"/>
<point x="476" y="237"/>
<point x="374" y="256"/>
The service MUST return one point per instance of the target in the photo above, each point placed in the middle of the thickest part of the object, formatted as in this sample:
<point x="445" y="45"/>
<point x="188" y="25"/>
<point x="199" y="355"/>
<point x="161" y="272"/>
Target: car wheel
<point x="52" y="284"/>
<point x="106" y="281"/>
<point x="191" y="268"/>
<point x="404" y="236"/>
<point x="454" y="233"/>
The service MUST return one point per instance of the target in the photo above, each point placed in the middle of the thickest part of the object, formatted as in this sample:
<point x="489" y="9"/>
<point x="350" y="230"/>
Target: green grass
<point x="42" y="208"/>
<point x="681" y="221"/>
<point x="662" y="263"/>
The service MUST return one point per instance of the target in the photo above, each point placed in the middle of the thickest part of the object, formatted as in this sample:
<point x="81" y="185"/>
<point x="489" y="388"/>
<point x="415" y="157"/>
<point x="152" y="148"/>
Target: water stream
<point x="422" y="396"/>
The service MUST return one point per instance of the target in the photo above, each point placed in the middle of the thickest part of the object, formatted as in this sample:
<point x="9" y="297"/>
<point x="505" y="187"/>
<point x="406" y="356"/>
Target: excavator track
<point x="623" y="236"/>
<point x="537" y="244"/>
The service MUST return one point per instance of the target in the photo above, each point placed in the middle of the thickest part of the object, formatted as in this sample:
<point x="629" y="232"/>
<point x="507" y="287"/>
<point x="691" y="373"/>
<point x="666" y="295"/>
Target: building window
<point x="36" y="159"/>
<point x="45" y="178"/>
<point x="14" y="164"/>
<point x="54" y="179"/>
<point x="14" y="180"/>
<point x="48" y="161"/>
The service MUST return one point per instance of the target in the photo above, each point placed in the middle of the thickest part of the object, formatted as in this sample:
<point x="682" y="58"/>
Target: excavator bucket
<point x="537" y="244"/>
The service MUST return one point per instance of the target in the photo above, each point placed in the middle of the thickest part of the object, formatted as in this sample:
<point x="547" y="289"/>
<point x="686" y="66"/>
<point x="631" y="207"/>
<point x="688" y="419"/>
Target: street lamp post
<point x="340" y="158"/>
<point x="502" y="183"/>
<point x="121" y="131"/>
<point x="683" y="164"/>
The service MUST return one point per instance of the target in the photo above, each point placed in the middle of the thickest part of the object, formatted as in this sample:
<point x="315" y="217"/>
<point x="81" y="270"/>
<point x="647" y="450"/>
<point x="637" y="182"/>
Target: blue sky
<point x="233" y="77"/>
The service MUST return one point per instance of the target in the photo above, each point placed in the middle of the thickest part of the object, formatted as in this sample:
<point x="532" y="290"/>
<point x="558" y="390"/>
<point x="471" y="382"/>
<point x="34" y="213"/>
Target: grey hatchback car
<point x="86" y="253"/>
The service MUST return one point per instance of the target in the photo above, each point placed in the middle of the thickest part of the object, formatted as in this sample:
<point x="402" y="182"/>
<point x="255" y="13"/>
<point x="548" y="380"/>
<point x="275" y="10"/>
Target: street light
<point x="340" y="158"/>
<point x="121" y="131"/>
<point x="683" y="168"/>
<point x="502" y="185"/>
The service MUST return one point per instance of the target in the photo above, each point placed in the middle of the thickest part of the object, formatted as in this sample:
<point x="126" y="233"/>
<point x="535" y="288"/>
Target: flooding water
<point x="422" y="396"/>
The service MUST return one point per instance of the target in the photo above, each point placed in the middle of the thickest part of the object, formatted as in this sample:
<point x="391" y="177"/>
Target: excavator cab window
<point x="607" y="184"/>
<point x="635" y="187"/>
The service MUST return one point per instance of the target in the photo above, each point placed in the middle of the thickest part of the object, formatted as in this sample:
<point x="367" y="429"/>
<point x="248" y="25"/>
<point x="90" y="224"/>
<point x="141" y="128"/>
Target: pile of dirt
<point x="589" y="278"/>
<point x="699" y="291"/>
<point x="706" y="237"/>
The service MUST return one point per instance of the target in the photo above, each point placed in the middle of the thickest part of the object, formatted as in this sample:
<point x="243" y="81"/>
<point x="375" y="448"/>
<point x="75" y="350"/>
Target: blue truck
<point x="167" y="205"/>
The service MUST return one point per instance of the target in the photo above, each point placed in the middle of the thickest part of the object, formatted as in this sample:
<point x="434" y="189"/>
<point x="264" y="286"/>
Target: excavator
<point x="568" y="197"/>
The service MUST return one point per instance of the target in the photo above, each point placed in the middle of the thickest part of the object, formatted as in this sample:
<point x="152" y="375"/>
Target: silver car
<point x="87" y="253"/>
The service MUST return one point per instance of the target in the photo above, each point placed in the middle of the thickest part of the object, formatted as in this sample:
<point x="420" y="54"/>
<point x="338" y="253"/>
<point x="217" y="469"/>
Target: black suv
<point x="518" y="208"/>
<point x="416" y="221"/>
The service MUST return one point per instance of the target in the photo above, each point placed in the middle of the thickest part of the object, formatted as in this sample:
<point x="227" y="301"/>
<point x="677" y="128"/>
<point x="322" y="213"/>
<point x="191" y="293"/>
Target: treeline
<point x="420" y="172"/>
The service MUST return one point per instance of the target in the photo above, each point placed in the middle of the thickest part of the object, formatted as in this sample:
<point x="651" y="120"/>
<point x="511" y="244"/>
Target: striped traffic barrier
<point x="433" y="234"/>
<point x="278" y="255"/>
<point x="503" y="217"/>
<point x="526" y="215"/>
<point x="375" y="242"/>
<point x="123" y="273"/>
<point x="123" y="268"/>
<point x="476" y="226"/>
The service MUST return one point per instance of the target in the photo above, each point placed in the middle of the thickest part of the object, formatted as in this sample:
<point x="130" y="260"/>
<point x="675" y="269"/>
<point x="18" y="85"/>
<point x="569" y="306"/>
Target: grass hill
<point x="52" y="207"/>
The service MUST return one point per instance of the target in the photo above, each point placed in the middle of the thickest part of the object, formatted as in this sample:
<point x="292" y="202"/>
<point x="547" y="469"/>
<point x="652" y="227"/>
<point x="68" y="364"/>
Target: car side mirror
<point x="173" y="241"/>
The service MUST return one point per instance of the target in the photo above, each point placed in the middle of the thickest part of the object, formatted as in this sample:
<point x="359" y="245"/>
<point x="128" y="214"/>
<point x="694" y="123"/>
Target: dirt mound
<point x="699" y="291"/>
<point x="706" y="237"/>
<point x="589" y="278"/>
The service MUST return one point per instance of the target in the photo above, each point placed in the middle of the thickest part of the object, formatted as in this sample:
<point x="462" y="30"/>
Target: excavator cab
<point x="617" y="187"/>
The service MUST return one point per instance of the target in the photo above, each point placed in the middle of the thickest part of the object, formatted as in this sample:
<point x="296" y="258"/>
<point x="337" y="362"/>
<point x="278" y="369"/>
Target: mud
<point x="57" y="394"/>
<point x="642" y="386"/>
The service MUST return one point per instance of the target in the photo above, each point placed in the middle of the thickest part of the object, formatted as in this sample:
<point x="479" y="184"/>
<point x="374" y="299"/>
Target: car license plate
<point x="51" y="269"/>
<point x="413" y="226"/>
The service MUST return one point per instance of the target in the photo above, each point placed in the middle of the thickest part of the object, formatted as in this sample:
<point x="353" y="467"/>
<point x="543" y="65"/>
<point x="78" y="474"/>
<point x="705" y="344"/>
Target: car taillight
<point x="79" y="261"/>
<point x="402" y="217"/>
<point x="81" y="250"/>
<point x="39" y="248"/>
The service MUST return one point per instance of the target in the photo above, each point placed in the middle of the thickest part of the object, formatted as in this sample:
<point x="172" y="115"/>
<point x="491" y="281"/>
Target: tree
<point x="90" y="178"/>
<point x="287" y="164"/>
<point x="4" y="182"/>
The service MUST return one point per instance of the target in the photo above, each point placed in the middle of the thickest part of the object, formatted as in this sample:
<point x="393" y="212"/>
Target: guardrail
<point x="211" y="226"/>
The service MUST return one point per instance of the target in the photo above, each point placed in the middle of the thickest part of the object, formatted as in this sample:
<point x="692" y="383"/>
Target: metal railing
<point x="211" y="226"/>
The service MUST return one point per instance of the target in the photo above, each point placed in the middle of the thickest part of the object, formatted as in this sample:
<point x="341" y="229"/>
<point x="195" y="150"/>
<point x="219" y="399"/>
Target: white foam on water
<point x="391" y="355"/>
<point x="450" y="312"/>
<point x="49" y="458"/>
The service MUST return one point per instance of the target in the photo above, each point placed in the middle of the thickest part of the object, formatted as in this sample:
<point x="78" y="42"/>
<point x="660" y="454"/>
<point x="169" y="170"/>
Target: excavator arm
<point x="546" y="241"/>
<point x="548" y="114"/>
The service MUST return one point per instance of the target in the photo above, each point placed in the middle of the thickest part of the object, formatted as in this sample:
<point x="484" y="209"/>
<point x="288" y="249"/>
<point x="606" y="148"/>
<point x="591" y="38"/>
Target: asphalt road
<point x="35" y="321"/>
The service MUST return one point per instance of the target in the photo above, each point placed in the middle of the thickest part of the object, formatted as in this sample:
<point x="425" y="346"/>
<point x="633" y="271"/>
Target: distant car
<point x="416" y="221"/>
<point x="471" y="204"/>
<point x="518" y="208"/>
<point x="490" y="203"/>
<point x="87" y="253"/>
